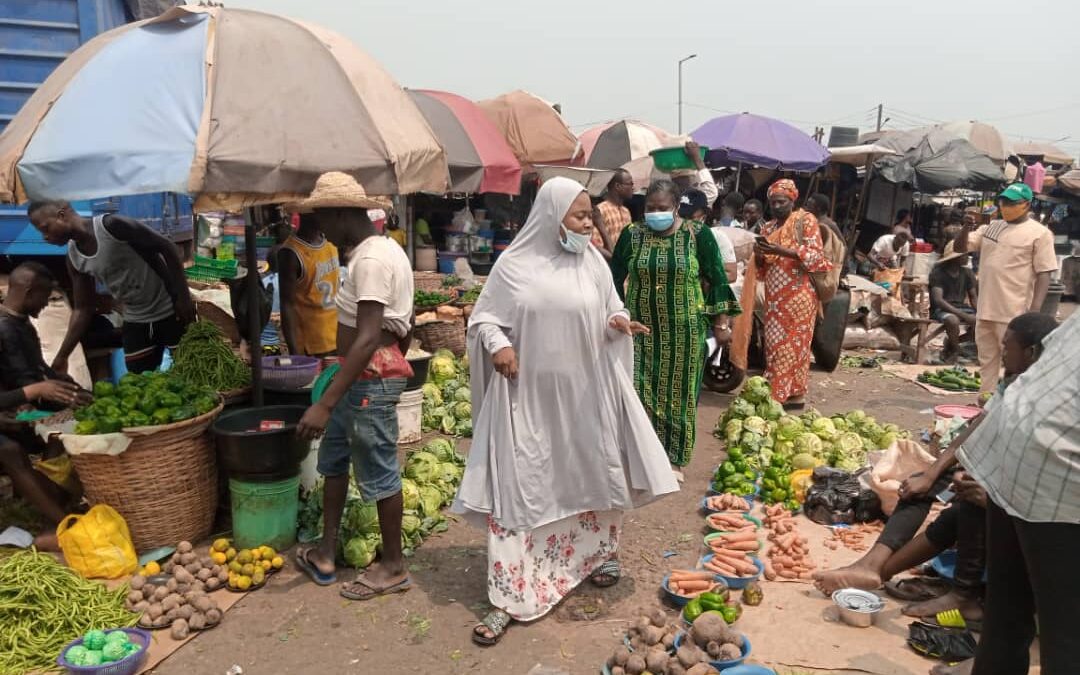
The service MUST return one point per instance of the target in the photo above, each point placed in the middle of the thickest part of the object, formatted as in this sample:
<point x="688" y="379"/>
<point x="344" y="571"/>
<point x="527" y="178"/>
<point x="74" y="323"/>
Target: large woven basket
<point x="435" y="335"/>
<point x="164" y="484"/>
<point x="429" y="282"/>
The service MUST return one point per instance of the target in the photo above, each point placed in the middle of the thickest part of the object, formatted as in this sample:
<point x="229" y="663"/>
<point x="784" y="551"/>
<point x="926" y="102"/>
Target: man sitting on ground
<point x="26" y="379"/>
<point x="953" y="298"/>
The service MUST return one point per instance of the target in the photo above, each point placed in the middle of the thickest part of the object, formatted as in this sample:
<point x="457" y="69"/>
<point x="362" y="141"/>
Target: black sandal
<point x="606" y="575"/>
<point x="497" y="621"/>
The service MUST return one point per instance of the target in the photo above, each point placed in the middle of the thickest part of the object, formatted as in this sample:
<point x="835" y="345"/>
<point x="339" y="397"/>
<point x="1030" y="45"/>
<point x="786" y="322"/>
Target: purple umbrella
<point x="768" y="143"/>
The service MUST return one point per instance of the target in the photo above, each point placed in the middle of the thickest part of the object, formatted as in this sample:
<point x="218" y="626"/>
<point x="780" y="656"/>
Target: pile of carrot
<point x="729" y="522"/>
<point x="731" y="553"/>
<point x="851" y="537"/>
<point x="691" y="583"/>
<point x="788" y="556"/>
<point x="726" y="502"/>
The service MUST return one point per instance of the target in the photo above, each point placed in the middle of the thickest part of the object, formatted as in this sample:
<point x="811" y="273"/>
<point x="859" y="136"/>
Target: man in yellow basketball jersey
<point x="308" y="273"/>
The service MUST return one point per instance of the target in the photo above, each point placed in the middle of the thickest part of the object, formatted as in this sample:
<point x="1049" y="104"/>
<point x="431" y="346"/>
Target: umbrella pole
<point x="251" y="259"/>
<point x="738" y="175"/>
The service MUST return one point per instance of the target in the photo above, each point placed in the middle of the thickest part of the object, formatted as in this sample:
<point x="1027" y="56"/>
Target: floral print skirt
<point x="529" y="573"/>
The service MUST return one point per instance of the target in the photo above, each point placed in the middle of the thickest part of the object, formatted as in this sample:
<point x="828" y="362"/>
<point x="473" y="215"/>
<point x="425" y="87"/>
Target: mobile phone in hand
<point x="945" y="496"/>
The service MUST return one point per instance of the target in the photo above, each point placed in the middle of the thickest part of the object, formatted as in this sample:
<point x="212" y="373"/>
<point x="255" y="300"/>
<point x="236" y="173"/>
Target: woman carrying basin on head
<point x="561" y="444"/>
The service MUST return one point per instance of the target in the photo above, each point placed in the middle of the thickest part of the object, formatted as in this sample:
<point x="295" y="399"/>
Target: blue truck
<point x="35" y="36"/>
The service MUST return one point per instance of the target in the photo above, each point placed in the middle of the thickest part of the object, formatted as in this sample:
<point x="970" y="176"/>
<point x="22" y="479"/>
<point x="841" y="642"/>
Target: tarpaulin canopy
<point x="858" y="155"/>
<point x="235" y="106"/>
<point x="931" y="169"/>
<point x="983" y="137"/>
<point x="532" y="127"/>
<point x="479" y="158"/>
<point x="762" y="141"/>
<point x="1047" y="152"/>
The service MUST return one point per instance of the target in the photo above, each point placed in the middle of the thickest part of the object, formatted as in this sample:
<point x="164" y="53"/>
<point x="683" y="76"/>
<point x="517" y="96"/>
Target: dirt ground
<point x="293" y="626"/>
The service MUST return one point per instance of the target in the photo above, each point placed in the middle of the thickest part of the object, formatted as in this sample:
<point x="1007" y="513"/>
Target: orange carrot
<point x="751" y="545"/>
<point x="696" y="584"/>
<point x="737" y="536"/>
<point x="689" y="575"/>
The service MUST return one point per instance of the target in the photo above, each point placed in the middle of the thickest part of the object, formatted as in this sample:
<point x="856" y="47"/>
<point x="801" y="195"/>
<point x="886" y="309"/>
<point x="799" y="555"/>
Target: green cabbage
<point x="750" y="441"/>
<point x="770" y="410"/>
<point x="463" y="395"/>
<point x="756" y="425"/>
<point x="840" y="423"/>
<point x="442" y="448"/>
<point x="855" y="417"/>
<point x="872" y="431"/>
<point x="422" y="467"/>
<point x="463" y="411"/>
<point x="361" y="518"/>
<point x="410" y="493"/>
<point x="824" y="429"/>
<point x="432" y="394"/>
<point x="463" y="428"/>
<point x="431" y="500"/>
<point x="784" y="448"/>
<point x="807" y="442"/>
<point x="886" y="440"/>
<point x="450" y="473"/>
<point x="849" y="441"/>
<point x="732" y="431"/>
<point x="360" y="552"/>
<point x="444" y="353"/>
<point x="788" y="428"/>
<point x="741" y="408"/>
<point x="442" y="369"/>
<point x="809" y="416"/>
<point x="410" y="524"/>
<point x="756" y="390"/>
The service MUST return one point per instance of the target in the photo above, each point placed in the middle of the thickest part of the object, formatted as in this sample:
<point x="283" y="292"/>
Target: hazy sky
<point x="1010" y="63"/>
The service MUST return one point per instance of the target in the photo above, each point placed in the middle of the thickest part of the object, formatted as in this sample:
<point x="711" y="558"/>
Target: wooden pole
<point x="254" y="314"/>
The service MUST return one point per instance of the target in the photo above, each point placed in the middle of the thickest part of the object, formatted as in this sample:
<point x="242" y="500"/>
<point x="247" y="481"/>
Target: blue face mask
<point x="659" y="221"/>
<point x="575" y="242"/>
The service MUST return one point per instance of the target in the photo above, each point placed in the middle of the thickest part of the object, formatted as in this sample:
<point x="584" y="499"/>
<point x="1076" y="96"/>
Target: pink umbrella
<point x="532" y="127"/>
<point x="612" y="145"/>
<point x="480" y="159"/>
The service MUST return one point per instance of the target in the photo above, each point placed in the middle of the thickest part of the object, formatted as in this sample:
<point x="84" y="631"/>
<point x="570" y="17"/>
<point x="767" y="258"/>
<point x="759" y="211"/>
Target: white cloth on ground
<point x="569" y="435"/>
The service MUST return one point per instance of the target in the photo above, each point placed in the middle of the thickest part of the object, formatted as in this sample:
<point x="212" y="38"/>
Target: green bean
<point x="204" y="358"/>
<point x="44" y="605"/>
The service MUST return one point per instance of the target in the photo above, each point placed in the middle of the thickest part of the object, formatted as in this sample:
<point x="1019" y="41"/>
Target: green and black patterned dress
<point x="663" y="278"/>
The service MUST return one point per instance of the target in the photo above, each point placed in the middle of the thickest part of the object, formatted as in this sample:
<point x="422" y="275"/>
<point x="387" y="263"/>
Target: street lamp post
<point x="682" y="61"/>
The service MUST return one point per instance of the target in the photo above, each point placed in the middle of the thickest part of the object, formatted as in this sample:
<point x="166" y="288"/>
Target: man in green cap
<point x="1016" y="259"/>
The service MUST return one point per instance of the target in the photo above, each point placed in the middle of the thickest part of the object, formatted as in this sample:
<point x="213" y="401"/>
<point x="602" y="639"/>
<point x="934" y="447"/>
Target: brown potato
<point x="179" y="629"/>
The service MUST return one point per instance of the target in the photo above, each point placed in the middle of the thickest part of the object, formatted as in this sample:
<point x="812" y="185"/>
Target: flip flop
<point x="917" y="589"/>
<point x="400" y="587"/>
<point x="952" y="618"/>
<point x="308" y="568"/>
<point x="497" y="621"/>
<point x="610" y="569"/>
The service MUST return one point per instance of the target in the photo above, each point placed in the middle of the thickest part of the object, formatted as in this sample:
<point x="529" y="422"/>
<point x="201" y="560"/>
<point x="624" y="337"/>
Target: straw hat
<point x="950" y="254"/>
<point x="338" y="190"/>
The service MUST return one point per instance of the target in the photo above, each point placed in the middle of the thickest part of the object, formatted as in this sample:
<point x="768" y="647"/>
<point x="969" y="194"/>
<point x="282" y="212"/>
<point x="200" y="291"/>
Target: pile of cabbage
<point x="758" y="425"/>
<point x="447" y="405"/>
<point x="429" y="482"/>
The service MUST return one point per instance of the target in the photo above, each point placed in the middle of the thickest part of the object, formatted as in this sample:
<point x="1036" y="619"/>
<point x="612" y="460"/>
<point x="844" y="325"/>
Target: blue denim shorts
<point x="363" y="429"/>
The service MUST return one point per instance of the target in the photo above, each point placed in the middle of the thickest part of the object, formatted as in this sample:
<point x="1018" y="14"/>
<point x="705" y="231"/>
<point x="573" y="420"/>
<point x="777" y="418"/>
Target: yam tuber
<point x="184" y="547"/>
<point x="179" y="629"/>
<point x="730" y="652"/>
<point x="160" y="593"/>
<point x="689" y="655"/>
<point x="635" y="665"/>
<point x="140" y="607"/>
<point x="713" y="650"/>
<point x="213" y="583"/>
<point x="618" y="670"/>
<point x="134" y="596"/>
<point x="145" y="621"/>
<point x="709" y="627"/>
<point x="183" y="576"/>
<point x="702" y="669"/>
<point x="652" y="635"/>
<point x="668" y="641"/>
<point x="213" y="617"/>
<point x="656" y="661"/>
<point x="197" y="621"/>
<point x="675" y="668"/>
<point x="154" y="611"/>
<point x="171" y="584"/>
<point x="188" y="558"/>
<point x="657" y="616"/>
<point x="184" y="611"/>
<point x="621" y="655"/>
<point x="137" y="582"/>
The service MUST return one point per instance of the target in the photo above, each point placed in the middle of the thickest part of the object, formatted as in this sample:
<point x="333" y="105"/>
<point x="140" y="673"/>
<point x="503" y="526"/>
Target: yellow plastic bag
<point x="801" y="481"/>
<point x="61" y="471"/>
<point x="98" y="544"/>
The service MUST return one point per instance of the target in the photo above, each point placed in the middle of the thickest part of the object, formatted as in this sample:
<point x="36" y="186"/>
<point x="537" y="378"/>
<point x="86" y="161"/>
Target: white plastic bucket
<point x="409" y="410"/>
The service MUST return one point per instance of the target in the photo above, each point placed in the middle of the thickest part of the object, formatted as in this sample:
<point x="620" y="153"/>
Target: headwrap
<point x="784" y="186"/>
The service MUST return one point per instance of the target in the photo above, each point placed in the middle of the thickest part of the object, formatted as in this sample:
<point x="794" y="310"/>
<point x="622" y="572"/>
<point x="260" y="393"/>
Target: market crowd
<point x="594" y="314"/>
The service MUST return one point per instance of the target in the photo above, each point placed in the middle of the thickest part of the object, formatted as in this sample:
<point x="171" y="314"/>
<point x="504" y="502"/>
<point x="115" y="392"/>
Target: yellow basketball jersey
<point x="316" y="295"/>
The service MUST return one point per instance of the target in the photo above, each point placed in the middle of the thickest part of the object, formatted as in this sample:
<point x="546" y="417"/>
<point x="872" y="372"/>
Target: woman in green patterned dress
<point x="672" y="280"/>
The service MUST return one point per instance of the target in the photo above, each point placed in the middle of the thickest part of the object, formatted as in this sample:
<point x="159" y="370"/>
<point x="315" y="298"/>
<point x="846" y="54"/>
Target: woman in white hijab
<point x="562" y="445"/>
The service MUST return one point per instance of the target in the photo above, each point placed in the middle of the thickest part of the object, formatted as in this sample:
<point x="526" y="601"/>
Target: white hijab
<point x="570" y="434"/>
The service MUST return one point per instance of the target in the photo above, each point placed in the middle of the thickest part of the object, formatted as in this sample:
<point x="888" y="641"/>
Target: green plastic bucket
<point x="265" y="513"/>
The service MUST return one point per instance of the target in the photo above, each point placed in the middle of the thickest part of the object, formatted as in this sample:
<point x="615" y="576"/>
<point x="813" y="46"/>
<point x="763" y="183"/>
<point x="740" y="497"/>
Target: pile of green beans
<point x="204" y="358"/>
<point x="45" y="605"/>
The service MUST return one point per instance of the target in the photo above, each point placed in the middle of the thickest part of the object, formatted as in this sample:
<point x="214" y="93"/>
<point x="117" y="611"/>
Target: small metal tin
<point x="857" y="607"/>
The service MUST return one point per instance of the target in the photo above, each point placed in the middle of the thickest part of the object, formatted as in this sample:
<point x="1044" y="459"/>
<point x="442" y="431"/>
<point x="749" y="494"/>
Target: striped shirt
<point x="615" y="219"/>
<point x="1026" y="453"/>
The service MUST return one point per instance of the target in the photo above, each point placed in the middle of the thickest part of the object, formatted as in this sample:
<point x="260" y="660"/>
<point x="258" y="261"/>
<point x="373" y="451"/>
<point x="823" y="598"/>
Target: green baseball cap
<point x="1017" y="192"/>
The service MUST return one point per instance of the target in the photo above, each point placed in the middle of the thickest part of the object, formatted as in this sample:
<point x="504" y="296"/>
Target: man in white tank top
<point x="140" y="268"/>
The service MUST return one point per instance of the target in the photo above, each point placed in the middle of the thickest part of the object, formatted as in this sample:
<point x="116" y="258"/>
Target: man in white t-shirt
<point x="356" y="415"/>
<point x="890" y="250"/>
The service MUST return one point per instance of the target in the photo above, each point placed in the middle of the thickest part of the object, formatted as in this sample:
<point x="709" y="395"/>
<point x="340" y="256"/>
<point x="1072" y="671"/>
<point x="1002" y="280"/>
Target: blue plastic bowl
<point x="737" y="583"/>
<point x="129" y="665"/>
<point x="722" y="665"/>
<point x="674" y="598"/>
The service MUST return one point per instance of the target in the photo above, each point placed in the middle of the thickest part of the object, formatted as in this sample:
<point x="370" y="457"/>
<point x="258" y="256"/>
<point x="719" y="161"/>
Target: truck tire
<point x="828" y="339"/>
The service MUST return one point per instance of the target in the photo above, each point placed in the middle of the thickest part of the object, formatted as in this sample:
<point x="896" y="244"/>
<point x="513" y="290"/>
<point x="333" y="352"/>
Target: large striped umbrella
<point x="480" y="160"/>
<point x="532" y="127"/>
<point x="232" y="105"/>
<point x="613" y="145"/>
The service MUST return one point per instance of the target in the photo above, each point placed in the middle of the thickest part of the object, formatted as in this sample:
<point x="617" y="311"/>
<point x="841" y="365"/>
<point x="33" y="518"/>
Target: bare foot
<point x="47" y="541"/>
<point x="382" y="576"/>
<point x="852" y="576"/>
<point x="969" y="608"/>
<point x="962" y="668"/>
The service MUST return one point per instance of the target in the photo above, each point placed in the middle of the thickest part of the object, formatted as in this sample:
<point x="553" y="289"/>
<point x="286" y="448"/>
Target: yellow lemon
<point x="235" y="567"/>
<point x="218" y="557"/>
<point x="220" y="545"/>
<point x="230" y="553"/>
<point x="256" y="554"/>
<point x="267" y="552"/>
<point x="243" y="582"/>
<point x="244" y="556"/>
<point x="151" y="569"/>
<point x="258" y="577"/>
<point x="264" y="565"/>
<point x="278" y="562"/>
<point x="248" y="569"/>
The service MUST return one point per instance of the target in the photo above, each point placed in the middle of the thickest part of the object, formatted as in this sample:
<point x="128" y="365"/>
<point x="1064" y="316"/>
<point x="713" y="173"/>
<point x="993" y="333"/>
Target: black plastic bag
<point x="947" y="644"/>
<point x="238" y="298"/>
<point x="832" y="498"/>
<point x="868" y="507"/>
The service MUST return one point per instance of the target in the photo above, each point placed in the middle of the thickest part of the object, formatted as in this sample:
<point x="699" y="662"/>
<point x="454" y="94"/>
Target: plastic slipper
<point x="400" y="587"/>
<point x="946" y="644"/>
<point x="917" y="589"/>
<point x="319" y="577"/>
<point x="497" y="621"/>
<point x="952" y="618"/>
<point x="610" y="569"/>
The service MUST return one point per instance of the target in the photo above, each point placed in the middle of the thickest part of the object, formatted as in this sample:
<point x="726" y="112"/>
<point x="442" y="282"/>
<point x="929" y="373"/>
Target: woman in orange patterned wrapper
<point x="788" y="250"/>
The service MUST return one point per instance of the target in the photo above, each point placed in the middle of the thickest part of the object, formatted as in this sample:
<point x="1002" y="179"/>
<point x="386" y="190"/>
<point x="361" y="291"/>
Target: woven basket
<point x="435" y="335"/>
<point x="429" y="282"/>
<point x="164" y="484"/>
